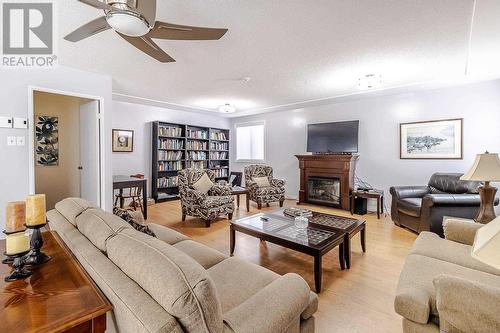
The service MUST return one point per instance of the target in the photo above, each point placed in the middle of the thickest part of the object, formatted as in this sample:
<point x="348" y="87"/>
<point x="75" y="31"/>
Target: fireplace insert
<point x="323" y="190"/>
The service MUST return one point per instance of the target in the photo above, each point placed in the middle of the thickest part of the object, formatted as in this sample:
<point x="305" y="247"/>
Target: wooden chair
<point x="134" y="193"/>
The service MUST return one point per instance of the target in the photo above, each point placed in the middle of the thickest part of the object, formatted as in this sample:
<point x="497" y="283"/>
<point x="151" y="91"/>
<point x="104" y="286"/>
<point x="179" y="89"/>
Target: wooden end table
<point x="237" y="191"/>
<point x="58" y="297"/>
<point x="379" y="195"/>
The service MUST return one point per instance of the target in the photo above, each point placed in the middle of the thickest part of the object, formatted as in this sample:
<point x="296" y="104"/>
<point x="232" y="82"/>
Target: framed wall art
<point x="123" y="140"/>
<point x="47" y="141"/>
<point x="436" y="139"/>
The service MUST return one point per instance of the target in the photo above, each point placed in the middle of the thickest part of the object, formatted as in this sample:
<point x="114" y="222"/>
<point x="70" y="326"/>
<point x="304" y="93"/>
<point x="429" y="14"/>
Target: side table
<point x="373" y="194"/>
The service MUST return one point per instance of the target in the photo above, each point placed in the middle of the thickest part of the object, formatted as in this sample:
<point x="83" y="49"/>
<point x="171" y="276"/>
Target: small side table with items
<point x="369" y="194"/>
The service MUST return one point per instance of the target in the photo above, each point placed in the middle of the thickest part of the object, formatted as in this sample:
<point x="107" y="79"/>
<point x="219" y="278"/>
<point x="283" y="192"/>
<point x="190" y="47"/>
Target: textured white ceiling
<point x="294" y="50"/>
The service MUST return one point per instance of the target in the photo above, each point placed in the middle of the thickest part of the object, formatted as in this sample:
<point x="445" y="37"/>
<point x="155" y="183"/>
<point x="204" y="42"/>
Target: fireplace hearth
<point x="323" y="190"/>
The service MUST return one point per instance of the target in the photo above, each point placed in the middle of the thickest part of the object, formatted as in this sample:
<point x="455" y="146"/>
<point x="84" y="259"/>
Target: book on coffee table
<point x="294" y="212"/>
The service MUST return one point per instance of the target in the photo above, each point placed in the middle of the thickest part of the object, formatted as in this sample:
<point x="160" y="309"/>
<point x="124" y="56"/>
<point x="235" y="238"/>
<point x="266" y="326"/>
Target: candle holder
<point x="19" y="273"/>
<point x="8" y="260"/>
<point x="36" y="256"/>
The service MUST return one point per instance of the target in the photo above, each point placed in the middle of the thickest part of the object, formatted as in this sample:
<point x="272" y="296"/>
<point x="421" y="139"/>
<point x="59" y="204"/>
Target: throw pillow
<point x="261" y="181"/>
<point x="204" y="184"/>
<point x="125" y="215"/>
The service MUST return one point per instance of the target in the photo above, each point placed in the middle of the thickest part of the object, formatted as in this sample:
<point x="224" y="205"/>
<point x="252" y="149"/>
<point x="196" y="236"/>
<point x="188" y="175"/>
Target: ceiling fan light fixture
<point x="370" y="81"/>
<point x="127" y="23"/>
<point x="227" y="108"/>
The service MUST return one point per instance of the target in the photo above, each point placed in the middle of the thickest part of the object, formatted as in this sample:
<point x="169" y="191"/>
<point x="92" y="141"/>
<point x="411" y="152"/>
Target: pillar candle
<point x="17" y="243"/>
<point x="15" y="212"/>
<point x="35" y="210"/>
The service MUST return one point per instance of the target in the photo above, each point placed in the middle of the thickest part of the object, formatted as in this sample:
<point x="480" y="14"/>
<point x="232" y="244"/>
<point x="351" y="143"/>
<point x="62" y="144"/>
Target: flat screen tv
<point x="334" y="138"/>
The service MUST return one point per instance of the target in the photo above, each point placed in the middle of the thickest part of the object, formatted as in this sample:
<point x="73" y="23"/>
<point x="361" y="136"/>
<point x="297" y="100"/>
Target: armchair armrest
<point x="277" y="182"/>
<point x="218" y="189"/>
<point x="466" y="305"/>
<point x="430" y="200"/>
<point x="195" y="196"/>
<point x="402" y="192"/>
<point x="460" y="230"/>
<point x="273" y="308"/>
<point x="250" y="184"/>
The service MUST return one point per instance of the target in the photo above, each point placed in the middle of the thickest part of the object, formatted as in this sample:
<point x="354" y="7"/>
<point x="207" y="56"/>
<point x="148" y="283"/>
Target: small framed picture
<point x="436" y="139"/>
<point x="123" y="140"/>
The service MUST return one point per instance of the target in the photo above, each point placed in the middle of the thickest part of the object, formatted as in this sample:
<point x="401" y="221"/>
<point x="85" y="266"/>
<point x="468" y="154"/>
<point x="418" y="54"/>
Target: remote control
<point x="264" y="218"/>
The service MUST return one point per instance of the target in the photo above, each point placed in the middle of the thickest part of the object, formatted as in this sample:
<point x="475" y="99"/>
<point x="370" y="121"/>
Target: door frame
<point x="100" y="140"/>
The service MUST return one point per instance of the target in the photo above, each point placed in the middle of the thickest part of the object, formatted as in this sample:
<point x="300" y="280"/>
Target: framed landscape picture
<point x="437" y="139"/>
<point x="123" y="140"/>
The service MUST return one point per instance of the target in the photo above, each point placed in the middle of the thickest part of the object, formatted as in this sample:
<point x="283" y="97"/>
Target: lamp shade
<point x="486" y="247"/>
<point x="486" y="168"/>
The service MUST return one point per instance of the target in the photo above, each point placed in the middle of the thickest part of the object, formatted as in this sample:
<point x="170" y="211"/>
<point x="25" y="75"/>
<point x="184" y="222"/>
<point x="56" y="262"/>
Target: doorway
<point x="66" y="147"/>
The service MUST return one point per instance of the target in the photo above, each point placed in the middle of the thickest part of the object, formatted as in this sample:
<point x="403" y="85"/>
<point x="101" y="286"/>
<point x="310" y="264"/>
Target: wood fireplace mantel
<point x="342" y="167"/>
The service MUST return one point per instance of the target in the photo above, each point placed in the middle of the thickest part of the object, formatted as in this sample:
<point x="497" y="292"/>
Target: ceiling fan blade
<point x="93" y="27"/>
<point x="148" y="9"/>
<point x="146" y="45"/>
<point x="96" y="4"/>
<point x="164" y="30"/>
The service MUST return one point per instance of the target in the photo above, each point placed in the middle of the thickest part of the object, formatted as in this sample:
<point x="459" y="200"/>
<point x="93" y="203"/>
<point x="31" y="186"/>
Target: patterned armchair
<point x="273" y="193"/>
<point x="218" y="200"/>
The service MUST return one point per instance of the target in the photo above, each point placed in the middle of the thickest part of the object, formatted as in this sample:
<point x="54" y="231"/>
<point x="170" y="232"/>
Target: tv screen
<point x="339" y="137"/>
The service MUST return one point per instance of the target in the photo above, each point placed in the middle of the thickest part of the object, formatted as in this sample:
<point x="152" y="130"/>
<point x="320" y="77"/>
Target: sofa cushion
<point x="451" y="183"/>
<point x="169" y="236"/>
<point x="204" y="255"/>
<point x="415" y="294"/>
<point x="237" y="280"/>
<point x="270" y="190"/>
<point x="261" y="181"/>
<point x="98" y="225"/>
<point x="204" y="184"/>
<point x="431" y="245"/>
<point x="70" y="208"/>
<point x="410" y="206"/>
<point x="175" y="280"/>
<point x="216" y="201"/>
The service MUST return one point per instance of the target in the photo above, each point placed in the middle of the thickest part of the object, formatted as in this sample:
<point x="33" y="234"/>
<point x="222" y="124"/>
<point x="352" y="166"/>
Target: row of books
<point x="169" y="155"/>
<point x="218" y="156"/>
<point x="196" y="145"/>
<point x="196" y="134"/>
<point x="196" y="155"/>
<point x="170" y="131"/>
<point x="170" y="144"/>
<point x="219" y="146"/>
<point x="221" y="173"/>
<point x="169" y="166"/>
<point x="196" y="164"/>
<point x="218" y="165"/>
<point x="218" y="136"/>
<point x="168" y="181"/>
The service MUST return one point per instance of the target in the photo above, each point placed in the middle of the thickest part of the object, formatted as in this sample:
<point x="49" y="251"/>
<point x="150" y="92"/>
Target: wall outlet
<point x="11" y="141"/>
<point x="21" y="140"/>
<point x="6" y="122"/>
<point x="20" y="122"/>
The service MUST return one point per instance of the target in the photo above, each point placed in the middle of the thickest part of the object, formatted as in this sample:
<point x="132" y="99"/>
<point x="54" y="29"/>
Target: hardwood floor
<point x="355" y="300"/>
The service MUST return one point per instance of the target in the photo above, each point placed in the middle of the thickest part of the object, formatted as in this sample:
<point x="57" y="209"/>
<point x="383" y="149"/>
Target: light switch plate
<point x="11" y="141"/>
<point x="20" y="122"/>
<point x="6" y="122"/>
<point x="21" y="140"/>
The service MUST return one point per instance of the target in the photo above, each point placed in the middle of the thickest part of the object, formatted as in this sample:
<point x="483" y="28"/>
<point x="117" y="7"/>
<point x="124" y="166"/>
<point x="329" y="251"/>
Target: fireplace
<point x="327" y="179"/>
<point x="323" y="191"/>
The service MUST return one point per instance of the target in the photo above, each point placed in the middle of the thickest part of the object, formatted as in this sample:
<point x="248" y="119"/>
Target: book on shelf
<point x="196" y="164"/>
<point x="218" y="155"/>
<point x="294" y="212"/>
<point x="163" y="195"/>
<point x="219" y="173"/>
<point x="218" y="136"/>
<point x="196" y="145"/>
<point x="169" y="166"/>
<point x="219" y="146"/>
<point x="170" y="144"/>
<point x="196" y="134"/>
<point x="168" y="181"/>
<point x="170" y="131"/>
<point x="196" y="155"/>
<point x="169" y="155"/>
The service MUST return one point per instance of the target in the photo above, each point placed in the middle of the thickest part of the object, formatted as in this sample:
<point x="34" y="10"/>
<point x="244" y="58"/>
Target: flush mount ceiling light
<point x="227" y="108"/>
<point x="370" y="81"/>
<point x="128" y="23"/>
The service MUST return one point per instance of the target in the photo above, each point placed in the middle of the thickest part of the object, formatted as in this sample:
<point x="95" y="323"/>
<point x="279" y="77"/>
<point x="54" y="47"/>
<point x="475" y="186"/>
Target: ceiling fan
<point x="135" y="21"/>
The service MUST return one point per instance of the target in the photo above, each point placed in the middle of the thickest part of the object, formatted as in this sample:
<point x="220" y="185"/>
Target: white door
<point x="89" y="152"/>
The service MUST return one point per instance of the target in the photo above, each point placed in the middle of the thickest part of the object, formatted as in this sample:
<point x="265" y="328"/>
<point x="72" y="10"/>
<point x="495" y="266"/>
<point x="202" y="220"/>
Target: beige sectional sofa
<point x="173" y="284"/>
<point x="443" y="288"/>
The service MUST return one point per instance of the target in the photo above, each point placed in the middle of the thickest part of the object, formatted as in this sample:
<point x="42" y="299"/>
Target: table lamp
<point x="486" y="168"/>
<point x="486" y="247"/>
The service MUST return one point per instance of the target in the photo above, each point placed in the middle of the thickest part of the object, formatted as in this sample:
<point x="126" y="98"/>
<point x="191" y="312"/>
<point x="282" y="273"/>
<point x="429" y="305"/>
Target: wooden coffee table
<point x="237" y="191"/>
<point x="348" y="226"/>
<point x="279" y="230"/>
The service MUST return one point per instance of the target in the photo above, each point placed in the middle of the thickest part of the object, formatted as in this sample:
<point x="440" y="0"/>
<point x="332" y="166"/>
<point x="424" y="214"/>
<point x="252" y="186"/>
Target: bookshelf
<point x="179" y="146"/>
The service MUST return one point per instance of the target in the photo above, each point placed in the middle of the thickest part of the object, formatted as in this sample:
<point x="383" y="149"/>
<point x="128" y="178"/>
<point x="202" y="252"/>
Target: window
<point x="250" y="141"/>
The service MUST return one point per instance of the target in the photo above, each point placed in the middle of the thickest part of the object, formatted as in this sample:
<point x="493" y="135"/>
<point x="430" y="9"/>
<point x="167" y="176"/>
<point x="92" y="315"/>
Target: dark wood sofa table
<point x="373" y="194"/>
<point x="315" y="242"/>
<point x="58" y="297"/>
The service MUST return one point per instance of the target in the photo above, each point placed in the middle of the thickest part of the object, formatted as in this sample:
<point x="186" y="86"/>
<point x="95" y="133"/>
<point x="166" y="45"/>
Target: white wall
<point x="379" y="163"/>
<point x="14" y="85"/>
<point x="138" y="117"/>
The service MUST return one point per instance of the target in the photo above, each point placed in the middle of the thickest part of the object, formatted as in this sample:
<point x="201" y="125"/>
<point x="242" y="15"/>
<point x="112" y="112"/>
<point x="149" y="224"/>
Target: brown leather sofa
<point x="422" y="208"/>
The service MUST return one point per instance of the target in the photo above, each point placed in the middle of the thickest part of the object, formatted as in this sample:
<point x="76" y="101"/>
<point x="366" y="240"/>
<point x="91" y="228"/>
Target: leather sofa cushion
<point x="451" y="183"/>
<point x="98" y="225"/>
<point x="175" y="280"/>
<point x="70" y="208"/>
<point x="410" y="206"/>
